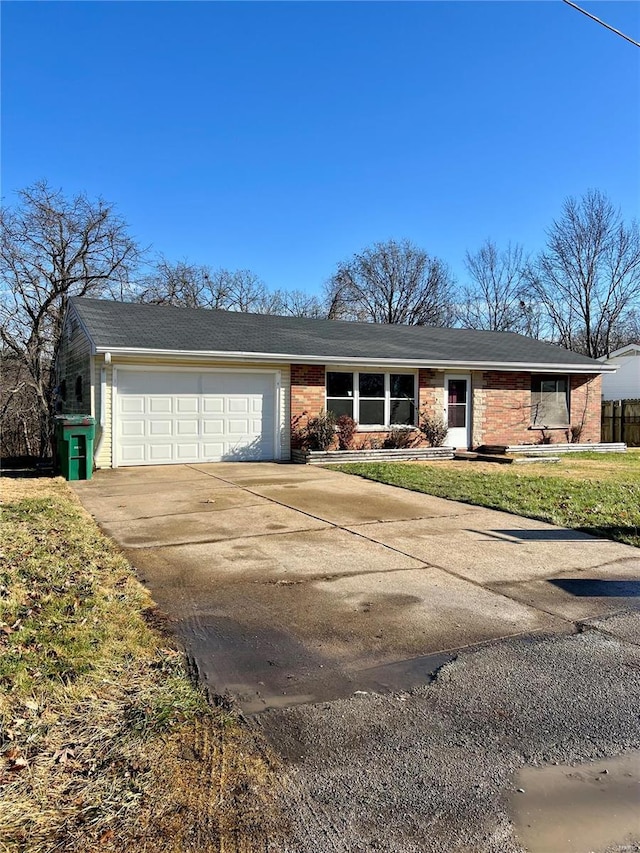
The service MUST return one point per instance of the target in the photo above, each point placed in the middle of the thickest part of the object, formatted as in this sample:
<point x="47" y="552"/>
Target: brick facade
<point x="505" y="416"/>
<point x="500" y="406"/>
<point x="307" y="396"/>
<point x="586" y="406"/>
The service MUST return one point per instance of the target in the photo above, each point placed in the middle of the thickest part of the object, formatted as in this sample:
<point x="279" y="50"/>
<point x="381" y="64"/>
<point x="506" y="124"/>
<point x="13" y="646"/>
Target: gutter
<point x="443" y="364"/>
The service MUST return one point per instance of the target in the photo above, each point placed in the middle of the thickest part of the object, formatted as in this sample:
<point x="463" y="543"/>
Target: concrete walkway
<point x="293" y="584"/>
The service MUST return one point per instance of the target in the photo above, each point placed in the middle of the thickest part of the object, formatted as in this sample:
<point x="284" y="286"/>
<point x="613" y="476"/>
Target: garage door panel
<point x="132" y="428"/>
<point x="165" y="416"/>
<point x="132" y="456"/>
<point x="212" y="405"/>
<point x="237" y="428"/>
<point x="160" y="428"/>
<point x="237" y="405"/>
<point x="187" y="428"/>
<point x="132" y="405"/>
<point x="159" y="453"/>
<point x="186" y="405"/>
<point x="187" y="452"/>
<point x="213" y="427"/>
<point x="159" y="405"/>
<point x="213" y="450"/>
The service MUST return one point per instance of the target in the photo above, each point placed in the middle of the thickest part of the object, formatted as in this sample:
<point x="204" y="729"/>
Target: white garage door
<point x="184" y="416"/>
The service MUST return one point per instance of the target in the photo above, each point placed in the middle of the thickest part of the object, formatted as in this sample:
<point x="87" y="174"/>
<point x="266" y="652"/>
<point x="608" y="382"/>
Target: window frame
<point x="539" y="379"/>
<point x="355" y="398"/>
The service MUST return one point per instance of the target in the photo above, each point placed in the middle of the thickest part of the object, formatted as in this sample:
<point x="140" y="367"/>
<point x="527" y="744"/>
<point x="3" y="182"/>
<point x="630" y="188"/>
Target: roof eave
<point x="291" y="358"/>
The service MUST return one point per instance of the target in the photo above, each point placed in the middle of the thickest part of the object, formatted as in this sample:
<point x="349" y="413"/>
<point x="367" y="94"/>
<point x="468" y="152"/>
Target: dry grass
<point x="105" y="744"/>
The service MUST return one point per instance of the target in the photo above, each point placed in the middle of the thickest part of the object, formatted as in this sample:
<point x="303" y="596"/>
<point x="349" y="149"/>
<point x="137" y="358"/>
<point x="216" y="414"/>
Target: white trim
<point x="620" y="353"/>
<point x="102" y="417"/>
<point x="92" y="387"/>
<point x="278" y="425"/>
<point x="468" y="411"/>
<point x="114" y="409"/>
<point x="387" y="425"/>
<point x="413" y="363"/>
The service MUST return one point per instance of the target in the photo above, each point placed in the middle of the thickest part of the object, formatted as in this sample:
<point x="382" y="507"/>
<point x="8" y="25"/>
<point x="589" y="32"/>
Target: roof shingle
<point x="115" y="325"/>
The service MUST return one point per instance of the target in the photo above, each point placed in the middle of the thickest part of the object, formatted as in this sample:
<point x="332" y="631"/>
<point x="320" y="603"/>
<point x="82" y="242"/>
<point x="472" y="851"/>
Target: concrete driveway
<point x="292" y="584"/>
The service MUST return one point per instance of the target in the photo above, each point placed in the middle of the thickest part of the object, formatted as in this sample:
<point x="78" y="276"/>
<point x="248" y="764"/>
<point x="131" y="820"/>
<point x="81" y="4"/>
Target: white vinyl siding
<point x="624" y="384"/>
<point x="103" y="430"/>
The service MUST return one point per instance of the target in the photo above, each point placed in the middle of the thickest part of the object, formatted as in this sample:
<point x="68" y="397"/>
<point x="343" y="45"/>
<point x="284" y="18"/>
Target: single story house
<point x="624" y="384"/>
<point x="174" y="385"/>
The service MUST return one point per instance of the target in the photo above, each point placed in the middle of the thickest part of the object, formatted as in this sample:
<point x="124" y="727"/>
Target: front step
<point x="474" y="456"/>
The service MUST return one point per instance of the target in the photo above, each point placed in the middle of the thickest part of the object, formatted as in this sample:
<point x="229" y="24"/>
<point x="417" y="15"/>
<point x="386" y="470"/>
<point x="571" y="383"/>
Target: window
<point x="78" y="389"/>
<point x="457" y="403"/>
<point x="373" y="399"/>
<point x="340" y="394"/>
<point x="549" y="401"/>
<point x="63" y="390"/>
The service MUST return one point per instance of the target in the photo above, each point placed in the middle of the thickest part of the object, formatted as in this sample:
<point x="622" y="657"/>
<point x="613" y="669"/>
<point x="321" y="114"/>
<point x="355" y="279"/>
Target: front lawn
<point x="105" y="744"/>
<point x="593" y="492"/>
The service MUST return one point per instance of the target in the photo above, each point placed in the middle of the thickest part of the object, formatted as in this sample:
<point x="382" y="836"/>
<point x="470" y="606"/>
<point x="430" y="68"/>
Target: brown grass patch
<point x="105" y="744"/>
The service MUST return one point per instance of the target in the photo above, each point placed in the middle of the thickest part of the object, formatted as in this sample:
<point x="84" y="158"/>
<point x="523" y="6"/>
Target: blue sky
<point x="284" y="137"/>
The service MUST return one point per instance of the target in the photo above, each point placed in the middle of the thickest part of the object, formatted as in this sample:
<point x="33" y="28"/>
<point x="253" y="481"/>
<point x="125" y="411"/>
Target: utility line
<point x="602" y="23"/>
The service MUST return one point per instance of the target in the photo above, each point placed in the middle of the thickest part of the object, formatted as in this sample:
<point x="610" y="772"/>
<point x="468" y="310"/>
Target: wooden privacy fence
<point x="621" y="421"/>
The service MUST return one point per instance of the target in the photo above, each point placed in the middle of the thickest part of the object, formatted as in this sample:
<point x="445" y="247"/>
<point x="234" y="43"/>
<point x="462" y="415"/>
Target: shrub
<point x="399" y="439"/>
<point x="346" y="427"/>
<point x="574" y="433"/>
<point x="433" y="429"/>
<point x="320" y="431"/>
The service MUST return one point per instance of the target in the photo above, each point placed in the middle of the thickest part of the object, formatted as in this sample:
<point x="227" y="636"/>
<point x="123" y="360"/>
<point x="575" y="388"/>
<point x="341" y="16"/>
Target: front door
<point x="457" y="409"/>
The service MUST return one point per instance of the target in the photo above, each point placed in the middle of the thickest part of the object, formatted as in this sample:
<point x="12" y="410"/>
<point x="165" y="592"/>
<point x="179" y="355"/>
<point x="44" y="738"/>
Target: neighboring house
<point x="193" y="385"/>
<point x="624" y="384"/>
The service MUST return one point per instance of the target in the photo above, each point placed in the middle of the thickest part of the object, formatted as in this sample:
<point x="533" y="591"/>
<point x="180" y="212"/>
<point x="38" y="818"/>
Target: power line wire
<point x="602" y="23"/>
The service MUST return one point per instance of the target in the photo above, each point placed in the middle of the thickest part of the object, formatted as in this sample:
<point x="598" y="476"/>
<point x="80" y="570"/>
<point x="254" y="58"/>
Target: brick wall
<point x="307" y="395"/>
<point x="500" y="402"/>
<point x="505" y="413"/>
<point x="586" y="406"/>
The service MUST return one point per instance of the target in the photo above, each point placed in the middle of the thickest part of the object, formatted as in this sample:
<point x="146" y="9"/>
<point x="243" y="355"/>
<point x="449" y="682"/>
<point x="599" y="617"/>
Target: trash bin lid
<point x="74" y="420"/>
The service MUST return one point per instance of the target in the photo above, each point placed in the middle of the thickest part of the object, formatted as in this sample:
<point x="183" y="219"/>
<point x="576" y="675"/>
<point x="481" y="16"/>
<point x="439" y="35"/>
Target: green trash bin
<point x="74" y="445"/>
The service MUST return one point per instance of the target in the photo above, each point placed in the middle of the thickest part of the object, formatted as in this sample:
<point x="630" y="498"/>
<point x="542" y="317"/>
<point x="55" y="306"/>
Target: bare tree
<point x="496" y="298"/>
<point x="198" y="286"/>
<point x="587" y="280"/>
<point x="181" y="284"/>
<point x="296" y="303"/>
<point x="52" y="248"/>
<point x="392" y="282"/>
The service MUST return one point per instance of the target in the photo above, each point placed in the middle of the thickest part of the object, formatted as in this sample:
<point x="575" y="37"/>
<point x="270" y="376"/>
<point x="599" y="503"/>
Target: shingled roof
<point x="156" y="329"/>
